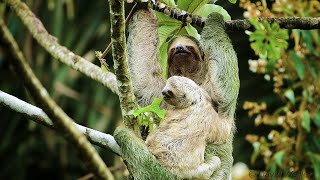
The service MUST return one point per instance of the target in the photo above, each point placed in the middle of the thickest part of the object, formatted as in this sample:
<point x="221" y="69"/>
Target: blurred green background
<point x="31" y="151"/>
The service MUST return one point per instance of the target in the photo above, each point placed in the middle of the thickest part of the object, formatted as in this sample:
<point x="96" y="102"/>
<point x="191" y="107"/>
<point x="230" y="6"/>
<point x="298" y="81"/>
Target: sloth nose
<point x="179" y="47"/>
<point x="167" y="93"/>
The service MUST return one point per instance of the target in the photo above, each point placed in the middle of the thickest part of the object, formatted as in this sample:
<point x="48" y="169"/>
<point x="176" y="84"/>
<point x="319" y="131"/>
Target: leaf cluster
<point x="151" y="115"/>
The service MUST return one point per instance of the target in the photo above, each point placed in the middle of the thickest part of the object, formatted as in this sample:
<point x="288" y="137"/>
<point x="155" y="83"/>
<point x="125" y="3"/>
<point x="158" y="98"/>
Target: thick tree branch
<point x="118" y="39"/>
<point x="61" y="120"/>
<point x="105" y="141"/>
<point x="50" y="44"/>
<point x="304" y="23"/>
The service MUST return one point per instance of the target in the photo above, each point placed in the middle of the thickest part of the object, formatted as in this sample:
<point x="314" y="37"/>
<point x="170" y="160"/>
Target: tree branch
<point x="118" y="40"/>
<point x="105" y="141"/>
<point x="304" y="23"/>
<point x="50" y="44"/>
<point x="63" y="122"/>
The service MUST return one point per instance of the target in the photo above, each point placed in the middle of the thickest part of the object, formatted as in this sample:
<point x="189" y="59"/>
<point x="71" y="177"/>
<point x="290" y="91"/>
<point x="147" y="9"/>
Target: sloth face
<point x="185" y="58"/>
<point x="181" y="92"/>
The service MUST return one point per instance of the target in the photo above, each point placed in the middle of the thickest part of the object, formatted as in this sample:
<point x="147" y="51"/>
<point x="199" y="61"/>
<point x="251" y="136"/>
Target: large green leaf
<point x="163" y="59"/>
<point x="184" y="4"/>
<point x="298" y="64"/>
<point x="192" y="31"/>
<point x="164" y="20"/>
<point x="170" y="3"/>
<point x="315" y="159"/>
<point x="210" y="8"/>
<point x="316" y="118"/>
<point x="165" y="32"/>
<point x="307" y="36"/>
<point x="196" y="5"/>
<point x="306" y="121"/>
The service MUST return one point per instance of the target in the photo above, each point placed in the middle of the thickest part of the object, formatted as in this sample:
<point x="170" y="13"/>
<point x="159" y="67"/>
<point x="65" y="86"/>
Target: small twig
<point x="36" y="114"/>
<point x="105" y="52"/>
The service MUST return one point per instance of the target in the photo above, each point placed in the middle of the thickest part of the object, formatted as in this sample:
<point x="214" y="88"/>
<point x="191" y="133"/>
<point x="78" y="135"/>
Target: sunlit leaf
<point x="316" y="118"/>
<point x="153" y="107"/>
<point x="163" y="59"/>
<point x="256" y="152"/>
<point x="207" y="9"/>
<point x="170" y="3"/>
<point x="165" y="32"/>
<point x="306" y="121"/>
<point x="184" y="4"/>
<point x="290" y="95"/>
<point x="196" y="5"/>
<point x="313" y="69"/>
<point x="298" y="64"/>
<point x="192" y="31"/>
<point x="278" y="158"/>
<point x="233" y="1"/>
<point x="307" y="36"/>
<point x="315" y="159"/>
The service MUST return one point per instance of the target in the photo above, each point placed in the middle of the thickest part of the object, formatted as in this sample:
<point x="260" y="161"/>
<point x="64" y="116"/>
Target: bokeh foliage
<point x="292" y="145"/>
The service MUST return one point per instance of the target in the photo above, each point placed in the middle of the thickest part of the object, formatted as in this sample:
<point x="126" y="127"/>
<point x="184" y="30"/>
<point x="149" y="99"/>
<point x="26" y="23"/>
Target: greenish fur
<point x="221" y="82"/>
<point x="140" y="162"/>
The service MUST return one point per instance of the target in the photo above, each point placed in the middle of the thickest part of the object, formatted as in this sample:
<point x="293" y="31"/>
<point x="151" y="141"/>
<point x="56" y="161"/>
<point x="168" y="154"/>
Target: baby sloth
<point x="191" y="122"/>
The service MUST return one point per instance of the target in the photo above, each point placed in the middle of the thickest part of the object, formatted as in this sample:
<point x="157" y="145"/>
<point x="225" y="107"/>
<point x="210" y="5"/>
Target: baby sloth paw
<point x="206" y="170"/>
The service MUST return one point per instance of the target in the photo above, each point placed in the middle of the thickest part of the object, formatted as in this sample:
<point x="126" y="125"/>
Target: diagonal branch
<point x="36" y="114"/>
<point x="118" y="39"/>
<point x="304" y="23"/>
<point x="50" y="44"/>
<point x="63" y="122"/>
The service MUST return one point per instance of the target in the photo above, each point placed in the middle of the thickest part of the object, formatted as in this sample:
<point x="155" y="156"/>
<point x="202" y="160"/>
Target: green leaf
<point x="290" y="95"/>
<point x="306" y="121"/>
<point x="163" y="59"/>
<point x="316" y="118"/>
<point x="313" y="70"/>
<point x="165" y="32"/>
<point x="233" y="1"/>
<point x="315" y="159"/>
<point x="153" y="107"/>
<point x="256" y="152"/>
<point x="192" y="31"/>
<point x="195" y="5"/>
<point x="164" y="20"/>
<point x="184" y="4"/>
<point x="170" y="3"/>
<point x="278" y="158"/>
<point x="298" y="64"/>
<point x="307" y="36"/>
<point x="210" y="8"/>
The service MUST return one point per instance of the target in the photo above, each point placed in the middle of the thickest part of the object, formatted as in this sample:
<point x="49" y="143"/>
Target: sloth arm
<point x="143" y="56"/>
<point x="222" y="79"/>
<point x="205" y="170"/>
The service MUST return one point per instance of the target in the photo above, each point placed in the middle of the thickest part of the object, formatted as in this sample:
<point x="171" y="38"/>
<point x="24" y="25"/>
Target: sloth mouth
<point x="181" y="52"/>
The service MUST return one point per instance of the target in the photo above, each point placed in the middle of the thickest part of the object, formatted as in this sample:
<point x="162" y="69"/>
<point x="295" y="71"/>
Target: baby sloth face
<point x="181" y="92"/>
